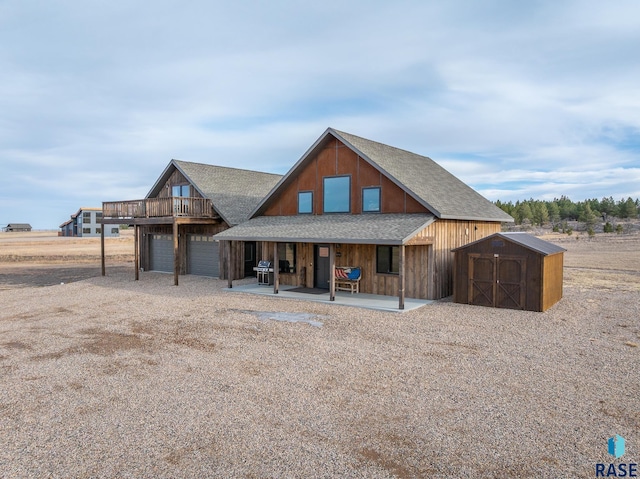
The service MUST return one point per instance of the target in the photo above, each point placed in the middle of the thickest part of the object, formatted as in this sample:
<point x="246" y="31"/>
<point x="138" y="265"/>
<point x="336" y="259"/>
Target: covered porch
<point x="317" y="246"/>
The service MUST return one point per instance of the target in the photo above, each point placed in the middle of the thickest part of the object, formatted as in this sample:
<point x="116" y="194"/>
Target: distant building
<point x="87" y="221"/>
<point x="17" y="227"/>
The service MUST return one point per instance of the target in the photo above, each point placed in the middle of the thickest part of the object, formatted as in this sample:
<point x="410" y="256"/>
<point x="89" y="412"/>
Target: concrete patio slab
<point x="358" y="300"/>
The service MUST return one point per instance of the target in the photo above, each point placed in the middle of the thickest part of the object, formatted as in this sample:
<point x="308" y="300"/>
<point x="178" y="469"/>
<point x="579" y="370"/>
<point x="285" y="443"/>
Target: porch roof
<point x="389" y="229"/>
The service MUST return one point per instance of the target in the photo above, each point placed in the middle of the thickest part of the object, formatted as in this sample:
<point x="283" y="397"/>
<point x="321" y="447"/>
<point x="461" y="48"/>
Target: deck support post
<point x="176" y="256"/>
<point x="104" y="272"/>
<point x="136" y="250"/>
<point x="276" y="269"/>
<point x="401" y="277"/>
<point x="332" y="272"/>
<point x="229" y="248"/>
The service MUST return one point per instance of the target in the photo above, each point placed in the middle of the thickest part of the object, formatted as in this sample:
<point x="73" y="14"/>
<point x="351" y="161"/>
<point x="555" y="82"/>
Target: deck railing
<point x="159" y="207"/>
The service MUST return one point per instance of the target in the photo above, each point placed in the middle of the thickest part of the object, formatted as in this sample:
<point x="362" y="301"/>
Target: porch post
<point x="276" y="269"/>
<point x="332" y="272"/>
<point x="104" y="272"/>
<point x="401" y="278"/>
<point x="176" y="256"/>
<point x="136" y="247"/>
<point x="229" y="264"/>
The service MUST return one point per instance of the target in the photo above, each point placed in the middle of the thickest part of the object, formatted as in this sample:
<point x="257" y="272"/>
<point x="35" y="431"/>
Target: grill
<point x="265" y="272"/>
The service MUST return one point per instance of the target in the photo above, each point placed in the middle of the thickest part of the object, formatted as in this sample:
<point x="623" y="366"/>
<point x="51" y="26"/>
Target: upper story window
<point x="86" y="217"/>
<point x="305" y="202"/>
<point x="371" y="200"/>
<point x="181" y="190"/>
<point x="337" y="194"/>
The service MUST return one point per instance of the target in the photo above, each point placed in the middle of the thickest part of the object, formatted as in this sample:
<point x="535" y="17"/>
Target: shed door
<point x="161" y="253"/>
<point x="203" y="254"/>
<point x="510" y="283"/>
<point x="497" y="281"/>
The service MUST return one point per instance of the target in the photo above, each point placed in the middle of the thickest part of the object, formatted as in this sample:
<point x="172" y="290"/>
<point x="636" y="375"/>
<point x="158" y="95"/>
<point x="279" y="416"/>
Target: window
<point x="98" y="214"/>
<point x="115" y="231"/>
<point x="98" y="230"/>
<point x="287" y="257"/>
<point x="305" y="202"/>
<point x="387" y="259"/>
<point x="371" y="200"/>
<point x="86" y="217"/>
<point x="337" y="194"/>
<point x="181" y="190"/>
<point x="86" y="231"/>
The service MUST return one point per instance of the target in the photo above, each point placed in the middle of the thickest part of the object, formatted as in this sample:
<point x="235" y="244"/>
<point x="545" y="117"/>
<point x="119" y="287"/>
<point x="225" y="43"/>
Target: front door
<point x="321" y="266"/>
<point x="249" y="258"/>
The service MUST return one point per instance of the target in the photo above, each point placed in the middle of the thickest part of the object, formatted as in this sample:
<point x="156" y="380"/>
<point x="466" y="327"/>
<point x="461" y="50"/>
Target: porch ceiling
<point x="389" y="229"/>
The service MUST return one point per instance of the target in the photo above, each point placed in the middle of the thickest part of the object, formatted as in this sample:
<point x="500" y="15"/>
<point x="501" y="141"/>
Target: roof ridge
<point x="225" y="167"/>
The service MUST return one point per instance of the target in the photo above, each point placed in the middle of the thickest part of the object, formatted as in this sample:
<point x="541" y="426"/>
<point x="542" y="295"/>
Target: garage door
<point x="202" y="252"/>
<point x="161" y="253"/>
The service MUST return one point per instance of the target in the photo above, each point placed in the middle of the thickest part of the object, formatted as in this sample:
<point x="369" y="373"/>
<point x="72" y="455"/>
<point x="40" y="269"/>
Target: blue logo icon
<point x="616" y="446"/>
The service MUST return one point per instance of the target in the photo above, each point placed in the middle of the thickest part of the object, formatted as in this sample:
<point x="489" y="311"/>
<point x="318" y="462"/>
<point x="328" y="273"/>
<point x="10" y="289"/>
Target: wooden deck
<point x="170" y="207"/>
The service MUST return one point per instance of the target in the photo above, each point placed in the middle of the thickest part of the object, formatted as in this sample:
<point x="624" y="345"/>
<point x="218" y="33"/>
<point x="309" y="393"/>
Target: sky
<point x="520" y="100"/>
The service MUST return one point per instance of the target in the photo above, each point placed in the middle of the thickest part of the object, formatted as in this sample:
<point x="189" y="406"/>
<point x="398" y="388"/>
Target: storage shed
<point x="509" y="270"/>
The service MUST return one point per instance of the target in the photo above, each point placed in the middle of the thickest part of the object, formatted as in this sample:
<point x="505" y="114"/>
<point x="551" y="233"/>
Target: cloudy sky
<point x="519" y="99"/>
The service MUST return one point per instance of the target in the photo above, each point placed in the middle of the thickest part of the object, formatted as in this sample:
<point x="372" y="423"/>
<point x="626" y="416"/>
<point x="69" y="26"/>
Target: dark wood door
<point x="249" y="258"/>
<point x="481" y="280"/>
<point x="497" y="281"/>
<point x="510" y="278"/>
<point x="321" y="266"/>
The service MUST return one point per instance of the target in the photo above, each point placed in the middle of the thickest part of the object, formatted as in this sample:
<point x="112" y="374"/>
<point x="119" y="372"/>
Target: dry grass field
<point x="109" y="377"/>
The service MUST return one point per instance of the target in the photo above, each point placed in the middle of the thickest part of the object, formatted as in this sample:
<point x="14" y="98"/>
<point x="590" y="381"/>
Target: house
<point x="13" y="227"/>
<point x="189" y="203"/>
<point x="509" y="270"/>
<point x="87" y="222"/>
<point x="354" y="202"/>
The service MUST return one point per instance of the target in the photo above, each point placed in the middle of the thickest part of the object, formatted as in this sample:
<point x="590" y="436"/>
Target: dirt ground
<point x="42" y="258"/>
<point x="110" y="377"/>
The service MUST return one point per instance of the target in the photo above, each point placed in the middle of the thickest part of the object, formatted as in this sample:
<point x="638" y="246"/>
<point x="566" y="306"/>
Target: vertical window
<point x="98" y="230"/>
<point x="337" y="194"/>
<point x="305" y="202"/>
<point x="388" y="259"/>
<point x="371" y="200"/>
<point x="287" y="257"/>
<point x="181" y="191"/>
<point x="86" y="231"/>
<point x="86" y="217"/>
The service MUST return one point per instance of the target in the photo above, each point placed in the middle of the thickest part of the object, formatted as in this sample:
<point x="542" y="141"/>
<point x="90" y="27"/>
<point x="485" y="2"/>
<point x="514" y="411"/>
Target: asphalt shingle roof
<point x="533" y="243"/>
<point x="338" y="228"/>
<point x="233" y="192"/>
<point x="442" y="193"/>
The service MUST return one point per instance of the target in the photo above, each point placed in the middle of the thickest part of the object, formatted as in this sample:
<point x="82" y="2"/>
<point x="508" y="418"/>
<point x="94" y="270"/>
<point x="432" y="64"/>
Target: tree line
<point x="560" y="210"/>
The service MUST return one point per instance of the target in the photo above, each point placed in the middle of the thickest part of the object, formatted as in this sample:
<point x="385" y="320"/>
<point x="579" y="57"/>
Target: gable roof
<point x="431" y="185"/>
<point x="233" y="192"/>
<point x="530" y="242"/>
<point x="18" y="225"/>
<point x="388" y="229"/>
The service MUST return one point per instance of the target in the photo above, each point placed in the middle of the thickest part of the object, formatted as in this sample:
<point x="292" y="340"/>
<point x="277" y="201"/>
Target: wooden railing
<point x="159" y="207"/>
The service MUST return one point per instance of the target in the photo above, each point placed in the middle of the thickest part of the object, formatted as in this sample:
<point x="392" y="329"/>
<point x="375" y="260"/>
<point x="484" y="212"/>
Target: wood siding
<point x="428" y="263"/>
<point x="176" y="179"/>
<point x="336" y="159"/>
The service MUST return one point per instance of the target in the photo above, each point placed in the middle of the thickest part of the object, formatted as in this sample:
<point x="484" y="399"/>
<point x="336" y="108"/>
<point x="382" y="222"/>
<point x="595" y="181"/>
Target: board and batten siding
<point x="428" y="267"/>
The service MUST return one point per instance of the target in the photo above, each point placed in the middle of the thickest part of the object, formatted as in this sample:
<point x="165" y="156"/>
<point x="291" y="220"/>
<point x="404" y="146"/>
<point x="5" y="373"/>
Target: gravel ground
<point x="108" y="377"/>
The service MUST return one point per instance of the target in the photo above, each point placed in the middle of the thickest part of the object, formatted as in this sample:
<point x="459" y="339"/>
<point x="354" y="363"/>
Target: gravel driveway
<point x="108" y="377"/>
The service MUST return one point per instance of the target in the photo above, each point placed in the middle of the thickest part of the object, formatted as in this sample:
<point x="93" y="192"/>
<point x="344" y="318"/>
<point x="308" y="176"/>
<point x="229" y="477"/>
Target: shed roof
<point x="390" y="229"/>
<point x="524" y="239"/>
<point x="431" y="185"/>
<point x="234" y="192"/>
